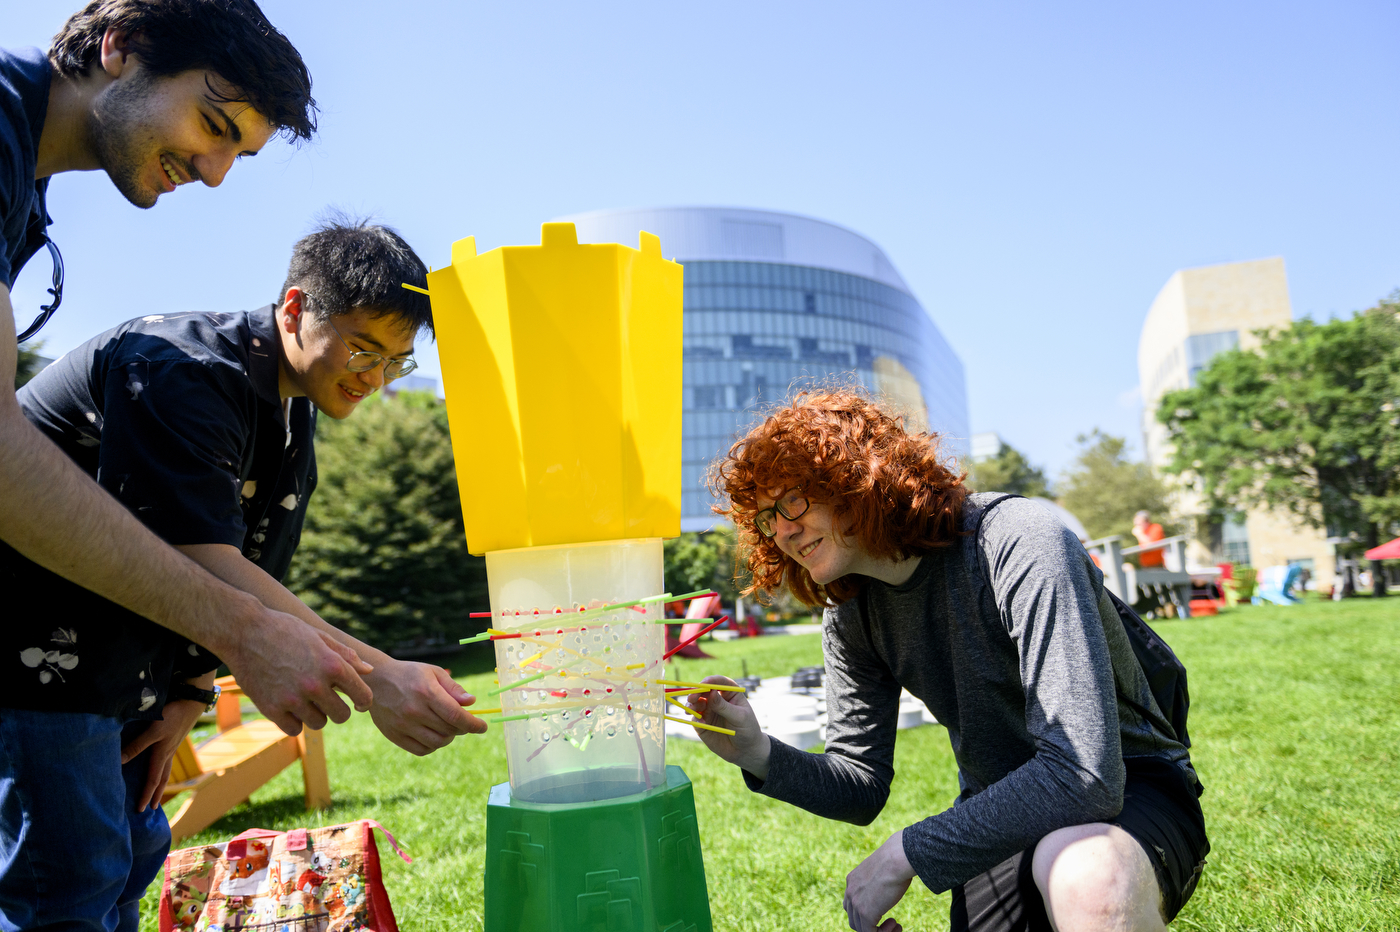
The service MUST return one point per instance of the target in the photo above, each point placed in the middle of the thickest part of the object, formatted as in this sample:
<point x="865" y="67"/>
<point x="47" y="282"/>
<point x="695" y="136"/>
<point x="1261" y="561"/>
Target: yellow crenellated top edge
<point x="557" y="236"/>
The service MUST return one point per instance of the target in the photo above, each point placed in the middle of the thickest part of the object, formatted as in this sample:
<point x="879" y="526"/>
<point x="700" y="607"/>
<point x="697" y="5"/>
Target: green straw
<point x="472" y="640"/>
<point x="508" y="718"/>
<point x="522" y="682"/>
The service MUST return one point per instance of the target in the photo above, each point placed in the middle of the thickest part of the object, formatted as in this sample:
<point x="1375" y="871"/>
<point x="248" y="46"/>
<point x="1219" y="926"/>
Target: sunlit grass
<point x="1295" y="716"/>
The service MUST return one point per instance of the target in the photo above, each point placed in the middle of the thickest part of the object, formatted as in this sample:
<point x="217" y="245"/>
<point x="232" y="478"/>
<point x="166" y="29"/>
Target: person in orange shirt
<point x="1147" y="532"/>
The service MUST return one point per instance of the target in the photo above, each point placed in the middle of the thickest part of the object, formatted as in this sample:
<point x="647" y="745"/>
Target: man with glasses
<point x="203" y="425"/>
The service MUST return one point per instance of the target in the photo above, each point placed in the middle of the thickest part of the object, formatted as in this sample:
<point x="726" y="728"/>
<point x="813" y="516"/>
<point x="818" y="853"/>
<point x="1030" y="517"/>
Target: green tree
<point x="702" y="561"/>
<point x="383" y="554"/>
<point x="1009" y="471"/>
<point x="1104" y="489"/>
<point x="29" y="362"/>
<point x="1308" y="424"/>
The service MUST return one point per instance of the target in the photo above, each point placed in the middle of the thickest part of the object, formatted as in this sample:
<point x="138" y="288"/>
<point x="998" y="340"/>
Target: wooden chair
<point x="224" y="770"/>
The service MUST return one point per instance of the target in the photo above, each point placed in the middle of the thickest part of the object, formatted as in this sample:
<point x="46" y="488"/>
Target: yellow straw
<point x="531" y="659"/>
<point x="415" y="288"/>
<point x="473" y="710"/>
<point x="636" y="666"/>
<point x="723" y="731"/>
<point x="705" y="686"/>
<point x="683" y="706"/>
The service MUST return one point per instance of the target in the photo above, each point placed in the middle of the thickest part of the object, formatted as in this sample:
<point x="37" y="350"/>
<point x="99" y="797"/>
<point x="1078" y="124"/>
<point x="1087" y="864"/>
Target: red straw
<point x="691" y="640"/>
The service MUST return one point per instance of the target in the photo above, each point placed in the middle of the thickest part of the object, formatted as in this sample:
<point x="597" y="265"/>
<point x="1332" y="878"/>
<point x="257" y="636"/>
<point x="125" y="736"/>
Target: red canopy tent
<point x="1390" y="551"/>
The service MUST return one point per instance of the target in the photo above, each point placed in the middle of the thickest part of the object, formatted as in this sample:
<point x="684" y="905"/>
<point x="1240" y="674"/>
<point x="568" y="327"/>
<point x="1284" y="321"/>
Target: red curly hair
<point x="889" y="487"/>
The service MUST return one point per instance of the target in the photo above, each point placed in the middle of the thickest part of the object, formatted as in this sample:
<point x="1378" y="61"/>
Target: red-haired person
<point x="1077" y="811"/>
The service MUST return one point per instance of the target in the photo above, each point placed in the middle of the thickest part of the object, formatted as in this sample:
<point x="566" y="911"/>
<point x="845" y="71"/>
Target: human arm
<point x="876" y="885"/>
<point x="1043" y="593"/>
<point x="850" y="780"/>
<point x="56" y="515"/>
<point x="416" y="705"/>
<point x="164" y="737"/>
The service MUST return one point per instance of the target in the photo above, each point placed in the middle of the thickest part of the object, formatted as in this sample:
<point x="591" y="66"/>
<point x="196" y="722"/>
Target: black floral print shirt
<point x="178" y="416"/>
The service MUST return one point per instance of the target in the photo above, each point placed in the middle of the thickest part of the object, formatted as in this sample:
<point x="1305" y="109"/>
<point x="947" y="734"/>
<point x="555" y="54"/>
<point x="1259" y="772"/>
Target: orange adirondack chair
<point x="224" y="770"/>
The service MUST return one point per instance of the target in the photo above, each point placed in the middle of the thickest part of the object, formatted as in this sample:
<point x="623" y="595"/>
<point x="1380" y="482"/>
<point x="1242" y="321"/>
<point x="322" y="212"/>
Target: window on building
<point x="1234" y="540"/>
<point x="809" y="303"/>
<point x="1201" y="348"/>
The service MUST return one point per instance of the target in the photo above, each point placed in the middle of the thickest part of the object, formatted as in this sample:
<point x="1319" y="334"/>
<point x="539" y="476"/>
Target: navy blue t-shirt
<point x="24" y="101"/>
<point x="179" y="417"/>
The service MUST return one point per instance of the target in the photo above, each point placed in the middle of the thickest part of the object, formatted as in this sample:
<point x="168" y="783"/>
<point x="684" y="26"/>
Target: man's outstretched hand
<point x="293" y="672"/>
<point x="876" y="885"/>
<point x="419" y="706"/>
<point x="749" y="746"/>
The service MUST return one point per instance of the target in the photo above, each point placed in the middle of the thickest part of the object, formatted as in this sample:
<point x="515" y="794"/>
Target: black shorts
<point x="1160" y="810"/>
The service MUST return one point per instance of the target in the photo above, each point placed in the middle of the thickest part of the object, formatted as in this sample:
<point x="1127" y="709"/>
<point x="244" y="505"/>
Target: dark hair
<point x="231" y="38"/>
<point x="350" y="263"/>
<point x="891" y="488"/>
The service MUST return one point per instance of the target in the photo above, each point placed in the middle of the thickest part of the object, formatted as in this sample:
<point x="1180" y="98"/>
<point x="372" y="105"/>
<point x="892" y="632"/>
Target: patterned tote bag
<point x="307" y="880"/>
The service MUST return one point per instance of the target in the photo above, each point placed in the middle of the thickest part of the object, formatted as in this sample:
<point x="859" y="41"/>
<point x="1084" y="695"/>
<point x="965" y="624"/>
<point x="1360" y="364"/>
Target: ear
<point x="289" y="315"/>
<point x="117" y="52"/>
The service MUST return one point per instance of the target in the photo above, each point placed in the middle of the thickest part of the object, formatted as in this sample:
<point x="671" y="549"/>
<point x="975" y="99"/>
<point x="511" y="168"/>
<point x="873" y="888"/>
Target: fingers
<point x="347" y="680"/>
<point x="447" y="701"/>
<point x="159" y="791"/>
<point x="348" y="654"/>
<point x="284" y="720"/>
<point x="139" y="744"/>
<point x="156" y="776"/>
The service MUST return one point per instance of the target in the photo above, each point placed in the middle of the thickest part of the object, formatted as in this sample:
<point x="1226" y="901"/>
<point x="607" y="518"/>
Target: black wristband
<point x="206" y="697"/>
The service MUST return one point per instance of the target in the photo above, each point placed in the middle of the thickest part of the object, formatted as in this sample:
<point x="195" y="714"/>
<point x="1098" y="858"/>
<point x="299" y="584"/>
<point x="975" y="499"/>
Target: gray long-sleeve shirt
<point x="1011" y="642"/>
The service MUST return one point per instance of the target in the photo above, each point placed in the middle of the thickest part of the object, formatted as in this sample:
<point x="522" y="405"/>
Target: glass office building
<point x="774" y="302"/>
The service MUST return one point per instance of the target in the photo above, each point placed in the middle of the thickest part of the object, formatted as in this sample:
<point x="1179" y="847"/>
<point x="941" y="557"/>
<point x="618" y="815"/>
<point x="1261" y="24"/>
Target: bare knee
<point x="1097" y="877"/>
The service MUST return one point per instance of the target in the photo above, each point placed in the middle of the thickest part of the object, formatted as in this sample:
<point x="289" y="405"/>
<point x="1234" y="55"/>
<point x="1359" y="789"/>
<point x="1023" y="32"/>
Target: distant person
<point x="203" y="426"/>
<point x="1078" y="808"/>
<point x="1148" y="532"/>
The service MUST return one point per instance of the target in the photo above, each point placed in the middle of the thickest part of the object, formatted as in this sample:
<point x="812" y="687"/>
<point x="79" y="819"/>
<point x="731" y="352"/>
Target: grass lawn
<point x="1295" y="718"/>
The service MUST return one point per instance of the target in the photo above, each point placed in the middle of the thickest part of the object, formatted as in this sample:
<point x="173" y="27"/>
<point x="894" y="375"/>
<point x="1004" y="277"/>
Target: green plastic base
<point x="631" y="864"/>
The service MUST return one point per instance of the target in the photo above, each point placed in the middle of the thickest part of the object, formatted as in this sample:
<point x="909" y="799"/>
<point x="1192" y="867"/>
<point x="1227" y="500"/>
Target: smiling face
<point x="812" y="541"/>
<point x="152" y="135"/>
<point x="314" y="356"/>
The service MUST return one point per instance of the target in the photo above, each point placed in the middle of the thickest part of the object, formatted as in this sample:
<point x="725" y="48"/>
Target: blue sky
<point x="1035" y="171"/>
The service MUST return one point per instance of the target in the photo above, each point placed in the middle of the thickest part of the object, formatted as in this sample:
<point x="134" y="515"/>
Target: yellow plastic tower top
<point x="561" y="364"/>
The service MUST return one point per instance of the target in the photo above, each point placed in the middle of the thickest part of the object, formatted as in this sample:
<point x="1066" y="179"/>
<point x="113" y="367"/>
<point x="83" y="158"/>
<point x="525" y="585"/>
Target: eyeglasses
<point x="364" y="360"/>
<point x="47" y="310"/>
<point x="792" y="506"/>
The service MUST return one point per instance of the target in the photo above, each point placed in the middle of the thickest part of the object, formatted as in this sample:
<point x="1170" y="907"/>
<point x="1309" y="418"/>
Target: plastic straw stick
<point x="472" y="710"/>
<point x="479" y="615"/>
<point x="509" y="718"/>
<point x="683" y="691"/>
<point x="520" y="682"/>
<point x="415" y="288"/>
<point x="723" y="731"/>
<point x="634" y="666"/>
<point x="641" y="751"/>
<point x="681" y="705"/>
<point x="530" y="659"/>
<point x="472" y="640"/>
<point x="720" y="686"/>
<point x="695" y="637"/>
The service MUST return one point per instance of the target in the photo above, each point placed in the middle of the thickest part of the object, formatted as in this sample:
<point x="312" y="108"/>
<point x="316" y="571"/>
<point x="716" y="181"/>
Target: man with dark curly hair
<point x="1078" y="808"/>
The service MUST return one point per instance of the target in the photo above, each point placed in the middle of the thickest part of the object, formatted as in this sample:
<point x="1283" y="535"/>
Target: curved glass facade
<point x="756" y="330"/>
